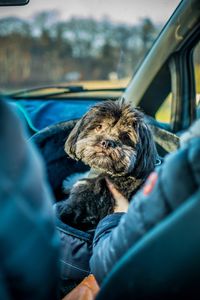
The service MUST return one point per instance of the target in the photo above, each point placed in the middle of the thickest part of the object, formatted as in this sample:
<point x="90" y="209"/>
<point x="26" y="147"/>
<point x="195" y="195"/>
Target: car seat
<point x="50" y="142"/>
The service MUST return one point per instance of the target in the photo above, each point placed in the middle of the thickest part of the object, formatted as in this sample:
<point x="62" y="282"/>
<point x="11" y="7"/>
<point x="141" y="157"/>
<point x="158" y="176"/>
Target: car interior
<point x="168" y="255"/>
<point x="172" y="77"/>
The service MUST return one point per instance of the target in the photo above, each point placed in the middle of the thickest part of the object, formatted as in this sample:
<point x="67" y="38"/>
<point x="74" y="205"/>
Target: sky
<point x="125" y="11"/>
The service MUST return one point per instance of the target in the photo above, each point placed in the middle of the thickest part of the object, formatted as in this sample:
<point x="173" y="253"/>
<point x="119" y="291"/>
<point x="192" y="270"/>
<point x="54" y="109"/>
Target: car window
<point x="196" y="60"/>
<point x="50" y="42"/>
<point x="164" y="112"/>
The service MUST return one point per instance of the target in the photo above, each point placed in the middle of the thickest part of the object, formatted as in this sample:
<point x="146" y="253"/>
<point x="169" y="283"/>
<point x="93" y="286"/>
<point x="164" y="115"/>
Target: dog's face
<point x="109" y="138"/>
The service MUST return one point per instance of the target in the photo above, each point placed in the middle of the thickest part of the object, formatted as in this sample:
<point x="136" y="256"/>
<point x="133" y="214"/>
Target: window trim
<point x="183" y="111"/>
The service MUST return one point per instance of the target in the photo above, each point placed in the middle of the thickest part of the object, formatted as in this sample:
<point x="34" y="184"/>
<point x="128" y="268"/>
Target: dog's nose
<point x="108" y="144"/>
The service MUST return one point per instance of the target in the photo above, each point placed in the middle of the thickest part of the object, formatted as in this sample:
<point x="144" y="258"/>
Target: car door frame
<point x="168" y="66"/>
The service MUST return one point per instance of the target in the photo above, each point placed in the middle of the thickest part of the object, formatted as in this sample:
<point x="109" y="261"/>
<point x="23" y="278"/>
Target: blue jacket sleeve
<point x="177" y="179"/>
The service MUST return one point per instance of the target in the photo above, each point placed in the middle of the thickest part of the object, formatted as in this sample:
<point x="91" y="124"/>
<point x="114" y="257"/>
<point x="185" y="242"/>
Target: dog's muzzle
<point x="108" y="144"/>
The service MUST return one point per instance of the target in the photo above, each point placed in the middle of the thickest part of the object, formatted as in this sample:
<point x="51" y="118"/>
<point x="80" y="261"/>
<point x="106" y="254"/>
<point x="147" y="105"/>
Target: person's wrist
<point x="121" y="205"/>
<point x="121" y="202"/>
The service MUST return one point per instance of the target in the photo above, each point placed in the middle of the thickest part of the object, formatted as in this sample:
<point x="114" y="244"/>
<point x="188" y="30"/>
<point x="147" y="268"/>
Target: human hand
<point x="121" y="202"/>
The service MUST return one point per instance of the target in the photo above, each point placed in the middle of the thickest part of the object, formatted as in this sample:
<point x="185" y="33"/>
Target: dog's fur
<point x="113" y="139"/>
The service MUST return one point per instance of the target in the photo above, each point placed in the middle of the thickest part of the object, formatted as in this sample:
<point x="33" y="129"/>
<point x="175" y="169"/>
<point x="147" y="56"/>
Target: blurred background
<point x="50" y="42"/>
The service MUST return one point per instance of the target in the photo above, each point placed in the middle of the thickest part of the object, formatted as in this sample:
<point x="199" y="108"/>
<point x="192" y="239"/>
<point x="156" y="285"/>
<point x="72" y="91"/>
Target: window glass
<point x="50" y="42"/>
<point x="164" y="112"/>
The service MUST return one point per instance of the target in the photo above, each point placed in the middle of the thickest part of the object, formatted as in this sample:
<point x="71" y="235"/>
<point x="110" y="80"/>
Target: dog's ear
<point x="146" y="151"/>
<point x="70" y="144"/>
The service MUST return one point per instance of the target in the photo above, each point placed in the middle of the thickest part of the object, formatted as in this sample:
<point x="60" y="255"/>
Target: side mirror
<point x="13" y="2"/>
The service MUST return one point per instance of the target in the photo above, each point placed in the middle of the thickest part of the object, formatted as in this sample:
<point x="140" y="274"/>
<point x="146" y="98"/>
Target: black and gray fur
<point x="114" y="140"/>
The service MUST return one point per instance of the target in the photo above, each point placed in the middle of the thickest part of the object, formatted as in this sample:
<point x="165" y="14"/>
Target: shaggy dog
<point x="114" y="140"/>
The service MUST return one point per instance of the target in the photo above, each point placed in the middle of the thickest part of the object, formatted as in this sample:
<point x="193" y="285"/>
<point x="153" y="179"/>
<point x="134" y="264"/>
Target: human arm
<point x="121" y="202"/>
<point x="177" y="179"/>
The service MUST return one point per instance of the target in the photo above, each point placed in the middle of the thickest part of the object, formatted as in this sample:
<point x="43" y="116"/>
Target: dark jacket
<point x="76" y="250"/>
<point x="165" y="190"/>
<point x="29" y="244"/>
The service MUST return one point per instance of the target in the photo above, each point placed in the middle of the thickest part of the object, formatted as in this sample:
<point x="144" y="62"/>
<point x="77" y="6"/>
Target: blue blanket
<point x="42" y="113"/>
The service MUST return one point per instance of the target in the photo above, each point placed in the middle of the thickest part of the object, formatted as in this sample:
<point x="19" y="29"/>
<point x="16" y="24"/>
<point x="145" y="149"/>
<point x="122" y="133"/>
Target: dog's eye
<point x="126" y="139"/>
<point x="134" y="125"/>
<point x="124" y="136"/>
<point x="98" y="128"/>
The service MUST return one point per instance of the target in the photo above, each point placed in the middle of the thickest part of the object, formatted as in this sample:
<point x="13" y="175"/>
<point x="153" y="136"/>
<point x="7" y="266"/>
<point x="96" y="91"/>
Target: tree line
<point x="46" y="50"/>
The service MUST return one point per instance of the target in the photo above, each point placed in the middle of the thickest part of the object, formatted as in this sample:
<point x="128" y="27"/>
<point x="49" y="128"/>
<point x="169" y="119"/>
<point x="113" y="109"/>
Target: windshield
<point x="65" y="42"/>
